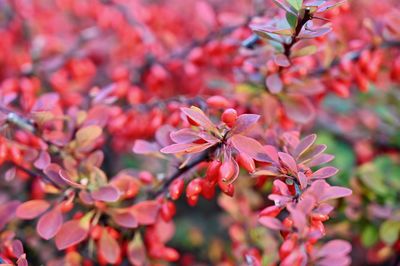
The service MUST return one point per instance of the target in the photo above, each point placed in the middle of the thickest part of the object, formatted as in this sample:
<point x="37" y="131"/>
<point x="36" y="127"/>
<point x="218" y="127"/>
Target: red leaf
<point x="244" y="122"/>
<point x="197" y="115"/>
<point x="106" y="193"/>
<point x="324" y="172"/>
<point x="49" y="224"/>
<point x="250" y="146"/>
<point x="32" y="209"/>
<point x="274" y="83"/>
<point x="109" y="248"/>
<point x="146" y="212"/>
<point x="17" y="248"/>
<point x="298" y="108"/>
<point x="70" y="234"/>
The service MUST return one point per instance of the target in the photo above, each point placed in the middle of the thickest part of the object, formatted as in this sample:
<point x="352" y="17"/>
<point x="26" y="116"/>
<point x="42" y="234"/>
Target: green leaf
<point x="389" y="231"/>
<point x="369" y="236"/>
<point x="292" y="20"/>
<point x="297" y="4"/>
<point x="373" y="178"/>
<point x="308" y="50"/>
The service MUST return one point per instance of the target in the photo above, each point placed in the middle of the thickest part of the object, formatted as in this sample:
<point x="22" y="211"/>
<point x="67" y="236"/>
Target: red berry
<point x="176" y="188"/>
<point x="229" y="117"/>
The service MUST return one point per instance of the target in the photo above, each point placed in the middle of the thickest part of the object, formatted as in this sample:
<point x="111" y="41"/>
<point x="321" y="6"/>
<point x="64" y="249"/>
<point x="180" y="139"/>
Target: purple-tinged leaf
<point x="32" y="209"/>
<point x="267" y="171"/>
<point x="163" y="135"/>
<point x="145" y="147"/>
<point x="106" y="193"/>
<point x="314" y="33"/>
<point x="282" y="187"/>
<point x="49" y="224"/>
<point x="250" y="147"/>
<point x="197" y="115"/>
<point x="67" y="179"/>
<point x="328" y="5"/>
<point x="109" y="248"/>
<point x="324" y="209"/>
<point x="321" y="159"/>
<point x="285" y="6"/>
<point x="288" y="161"/>
<point x="298" y="108"/>
<point x="243" y="123"/>
<point x="339" y="261"/>
<point x="304" y="145"/>
<point x="271" y="223"/>
<point x="274" y="83"/>
<point x="43" y="160"/>
<point x="22" y="261"/>
<point x="272" y="152"/>
<point x="7" y="212"/>
<point x="335" y="192"/>
<point x="312" y="153"/>
<point x="324" y="172"/>
<point x="86" y="197"/>
<point x="70" y="234"/>
<point x="281" y="60"/>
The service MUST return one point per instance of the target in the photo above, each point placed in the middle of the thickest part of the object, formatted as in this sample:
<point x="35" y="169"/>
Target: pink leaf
<point x="32" y="209"/>
<point x="184" y="135"/>
<point x="302" y="180"/>
<point x="106" y="193"/>
<point x="145" y="147"/>
<point x="324" y="172"/>
<point x="249" y="146"/>
<point x="125" y="219"/>
<point x="271" y="222"/>
<point x="299" y="108"/>
<point x="334" y="248"/>
<point x="186" y="148"/>
<point x="146" y="212"/>
<point x="312" y="153"/>
<point x="321" y="159"/>
<point x="70" y="234"/>
<point x="244" y="122"/>
<point x="335" y="192"/>
<point x="288" y="161"/>
<point x="298" y="217"/>
<point x="274" y="83"/>
<point x="197" y="115"/>
<point x="136" y="251"/>
<point x="17" y="248"/>
<point x="304" y="145"/>
<point x="49" y="224"/>
<point x="67" y="179"/>
<point x="282" y="60"/>
<point x="109" y="248"/>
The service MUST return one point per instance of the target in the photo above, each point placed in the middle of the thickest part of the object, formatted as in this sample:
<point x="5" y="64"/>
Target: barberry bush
<point x="202" y="132"/>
